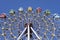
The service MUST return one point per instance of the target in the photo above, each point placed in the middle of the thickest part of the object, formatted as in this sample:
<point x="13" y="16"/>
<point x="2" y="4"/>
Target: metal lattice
<point x="43" y="23"/>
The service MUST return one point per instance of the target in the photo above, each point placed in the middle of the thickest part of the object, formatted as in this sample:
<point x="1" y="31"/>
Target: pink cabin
<point x="38" y="10"/>
<point x="3" y="15"/>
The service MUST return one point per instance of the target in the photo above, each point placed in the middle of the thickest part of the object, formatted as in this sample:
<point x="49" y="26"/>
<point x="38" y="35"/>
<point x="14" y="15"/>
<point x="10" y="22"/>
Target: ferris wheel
<point x="29" y="25"/>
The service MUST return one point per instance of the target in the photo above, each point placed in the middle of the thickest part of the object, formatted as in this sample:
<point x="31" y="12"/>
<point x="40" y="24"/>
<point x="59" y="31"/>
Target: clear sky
<point x="52" y="5"/>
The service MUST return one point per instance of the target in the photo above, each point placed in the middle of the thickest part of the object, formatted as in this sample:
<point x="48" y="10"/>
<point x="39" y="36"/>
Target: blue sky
<point x="52" y="5"/>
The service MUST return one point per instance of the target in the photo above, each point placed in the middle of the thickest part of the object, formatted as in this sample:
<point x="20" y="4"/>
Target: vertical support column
<point x="28" y="32"/>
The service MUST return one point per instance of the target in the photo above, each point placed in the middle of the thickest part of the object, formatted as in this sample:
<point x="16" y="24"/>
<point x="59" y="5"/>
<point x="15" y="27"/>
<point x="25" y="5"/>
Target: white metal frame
<point x="29" y="33"/>
<point x="21" y="34"/>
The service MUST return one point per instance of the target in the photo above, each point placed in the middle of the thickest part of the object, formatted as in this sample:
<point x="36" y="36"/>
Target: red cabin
<point x="38" y="10"/>
<point x="3" y="15"/>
